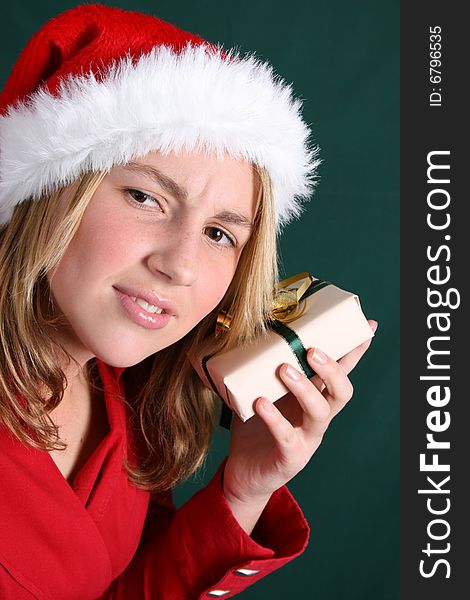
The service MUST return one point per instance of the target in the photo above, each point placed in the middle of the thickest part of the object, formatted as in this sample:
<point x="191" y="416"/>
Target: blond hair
<point x="171" y="411"/>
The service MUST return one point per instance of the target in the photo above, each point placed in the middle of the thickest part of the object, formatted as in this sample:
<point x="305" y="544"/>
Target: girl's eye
<point x="219" y="237"/>
<point x="143" y="199"/>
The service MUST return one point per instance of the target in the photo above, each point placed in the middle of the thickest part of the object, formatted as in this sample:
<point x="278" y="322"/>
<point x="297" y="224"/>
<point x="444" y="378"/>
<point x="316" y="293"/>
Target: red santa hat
<point x="100" y="86"/>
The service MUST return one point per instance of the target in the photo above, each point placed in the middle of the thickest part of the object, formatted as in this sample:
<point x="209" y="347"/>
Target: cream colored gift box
<point x="332" y="321"/>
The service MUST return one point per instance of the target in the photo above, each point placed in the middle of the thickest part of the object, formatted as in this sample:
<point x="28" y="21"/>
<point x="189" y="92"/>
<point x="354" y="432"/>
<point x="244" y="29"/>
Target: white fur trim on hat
<point x="164" y="101"/>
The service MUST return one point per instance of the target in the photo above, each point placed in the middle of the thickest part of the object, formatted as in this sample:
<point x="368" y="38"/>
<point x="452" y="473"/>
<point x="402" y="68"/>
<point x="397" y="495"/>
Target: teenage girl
<point x="144" y="174"/>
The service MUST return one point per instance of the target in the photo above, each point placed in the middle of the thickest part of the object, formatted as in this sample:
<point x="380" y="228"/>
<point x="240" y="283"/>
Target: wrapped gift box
<point x="332" y="320"/>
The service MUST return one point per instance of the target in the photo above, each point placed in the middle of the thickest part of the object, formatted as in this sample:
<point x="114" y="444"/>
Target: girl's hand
<point x="271" y="447"/>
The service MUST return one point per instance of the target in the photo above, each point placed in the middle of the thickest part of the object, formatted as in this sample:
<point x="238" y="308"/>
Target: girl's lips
<point x="149" y="296"/>
<point x="139" y="315"/>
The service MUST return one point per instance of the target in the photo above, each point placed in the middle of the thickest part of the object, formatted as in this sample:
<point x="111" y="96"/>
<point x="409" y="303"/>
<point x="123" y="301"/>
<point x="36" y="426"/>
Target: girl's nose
<point x="177" y="258"/>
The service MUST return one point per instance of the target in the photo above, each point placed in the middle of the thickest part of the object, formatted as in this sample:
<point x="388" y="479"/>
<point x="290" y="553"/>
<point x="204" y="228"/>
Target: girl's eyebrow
<point x="160" y="178"/>
<point x="181" y="194"/>
<point x="235" y="219"/>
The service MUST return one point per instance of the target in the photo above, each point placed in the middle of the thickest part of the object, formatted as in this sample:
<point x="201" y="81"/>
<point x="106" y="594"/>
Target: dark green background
<point x="343" y="59"/>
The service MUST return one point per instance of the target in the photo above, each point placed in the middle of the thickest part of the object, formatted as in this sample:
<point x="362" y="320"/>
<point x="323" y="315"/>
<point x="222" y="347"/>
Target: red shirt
<point x="102" y="538"/>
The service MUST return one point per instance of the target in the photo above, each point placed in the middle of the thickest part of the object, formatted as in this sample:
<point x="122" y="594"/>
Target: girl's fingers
<point x="338" y="388"/>
<point x="315" y="407"/>
<point x="279" y="427"/>
<point x="320" y="398"/>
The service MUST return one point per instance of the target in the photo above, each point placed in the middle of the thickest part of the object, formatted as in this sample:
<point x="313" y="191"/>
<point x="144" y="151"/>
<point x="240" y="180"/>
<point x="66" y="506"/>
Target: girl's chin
<point x="121" y="348"/>
<point x="125" y="353"/>
<point x="123" y="360"/>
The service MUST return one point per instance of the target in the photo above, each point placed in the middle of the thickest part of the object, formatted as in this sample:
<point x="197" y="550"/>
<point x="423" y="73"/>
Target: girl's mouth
<point x="142" y="313"/>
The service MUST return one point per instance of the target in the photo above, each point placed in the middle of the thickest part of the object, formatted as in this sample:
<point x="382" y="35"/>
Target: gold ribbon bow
<point x="286" y="303"/>
<point x="287" y="299"/>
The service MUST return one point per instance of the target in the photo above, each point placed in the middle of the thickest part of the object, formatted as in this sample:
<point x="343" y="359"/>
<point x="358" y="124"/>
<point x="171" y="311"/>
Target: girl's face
<point x="155" y="252"/>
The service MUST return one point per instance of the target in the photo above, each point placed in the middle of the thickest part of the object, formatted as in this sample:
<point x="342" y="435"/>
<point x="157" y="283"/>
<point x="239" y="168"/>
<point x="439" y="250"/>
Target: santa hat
<point x="99" y="86"/>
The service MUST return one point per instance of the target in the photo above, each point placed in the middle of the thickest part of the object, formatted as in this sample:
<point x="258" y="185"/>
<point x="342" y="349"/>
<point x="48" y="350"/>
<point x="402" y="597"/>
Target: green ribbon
<point x="295" y="344"/>
<point x="291" y="337"/>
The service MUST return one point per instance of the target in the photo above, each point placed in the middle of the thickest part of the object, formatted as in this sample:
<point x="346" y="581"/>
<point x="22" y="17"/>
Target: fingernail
<point x="267" y="405"/>
<point x="292" y="373"/>
<point x="319" y="356"/>
<point x="374" y="326"/>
